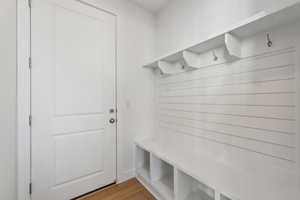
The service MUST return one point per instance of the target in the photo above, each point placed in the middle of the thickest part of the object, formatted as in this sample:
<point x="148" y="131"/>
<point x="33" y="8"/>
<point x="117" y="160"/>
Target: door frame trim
<point x="23" y="100"/>
<point x="23" y="38"/>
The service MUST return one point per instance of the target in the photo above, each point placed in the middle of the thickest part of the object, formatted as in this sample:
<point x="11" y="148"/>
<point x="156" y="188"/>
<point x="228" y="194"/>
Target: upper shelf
<point x="188" y="58"/>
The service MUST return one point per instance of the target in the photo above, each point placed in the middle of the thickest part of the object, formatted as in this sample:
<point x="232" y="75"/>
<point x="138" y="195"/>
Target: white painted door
<point x="73" y="90"/>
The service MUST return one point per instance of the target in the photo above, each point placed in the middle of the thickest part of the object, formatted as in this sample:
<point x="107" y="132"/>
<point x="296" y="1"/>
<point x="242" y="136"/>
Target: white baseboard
<point x="149" y="188"/>
<point x="124" y="176"/>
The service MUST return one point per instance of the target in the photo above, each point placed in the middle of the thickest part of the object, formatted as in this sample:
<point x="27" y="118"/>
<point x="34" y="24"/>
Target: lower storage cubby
<point x="168" y="180"/>
<point x="162" y="175"/>
<point x="189" y="188"/>
<point x="142" y="163"/>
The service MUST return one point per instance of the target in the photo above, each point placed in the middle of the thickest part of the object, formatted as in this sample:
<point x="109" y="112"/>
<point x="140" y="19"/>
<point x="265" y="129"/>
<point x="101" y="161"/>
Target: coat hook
<point x="160" y="71"/>
<point x="215" y="56"/>
<point x="270" y="43"/>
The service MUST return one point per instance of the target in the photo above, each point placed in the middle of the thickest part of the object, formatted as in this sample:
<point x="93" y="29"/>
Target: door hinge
<point x="29" y="3"/>
<point x="30" y="120"/>
<point x="30" y="188"/>
<point x="30" y="63"/>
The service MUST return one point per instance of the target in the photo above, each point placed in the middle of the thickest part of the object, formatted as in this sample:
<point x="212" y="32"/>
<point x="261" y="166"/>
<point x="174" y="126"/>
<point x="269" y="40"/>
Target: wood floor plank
<point x="129" y="190"/>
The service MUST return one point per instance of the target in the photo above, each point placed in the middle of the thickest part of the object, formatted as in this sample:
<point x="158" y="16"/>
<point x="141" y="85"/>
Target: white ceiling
<point x="152" y="5"/>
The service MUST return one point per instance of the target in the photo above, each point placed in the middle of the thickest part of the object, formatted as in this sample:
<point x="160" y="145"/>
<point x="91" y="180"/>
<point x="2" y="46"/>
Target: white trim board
<point x="23" y="100"/>
<point x="297" y="73"/>
<point x="23" y="95"/>
<point x="124" y="176"/>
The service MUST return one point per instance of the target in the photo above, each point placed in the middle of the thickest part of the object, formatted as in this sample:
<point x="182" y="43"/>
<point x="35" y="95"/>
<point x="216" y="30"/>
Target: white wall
<point x="183" y="22"/>
<point x="136" y="40"/>
<point x="7" y="99"/>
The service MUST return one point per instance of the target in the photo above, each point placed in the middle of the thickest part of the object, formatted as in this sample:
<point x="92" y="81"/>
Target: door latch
<point x="112" y="121"/>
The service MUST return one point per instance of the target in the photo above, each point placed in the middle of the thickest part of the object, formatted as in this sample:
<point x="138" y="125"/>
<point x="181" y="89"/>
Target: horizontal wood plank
<point x="249" y="104"/>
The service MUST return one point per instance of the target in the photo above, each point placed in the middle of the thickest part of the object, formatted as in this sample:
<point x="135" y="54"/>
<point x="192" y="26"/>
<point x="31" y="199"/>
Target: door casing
<point x="24" y="95"/>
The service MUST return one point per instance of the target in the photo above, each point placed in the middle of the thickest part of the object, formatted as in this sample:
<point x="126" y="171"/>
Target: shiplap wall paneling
<point x="207" y="112"/>
<point x="249" y="105"/>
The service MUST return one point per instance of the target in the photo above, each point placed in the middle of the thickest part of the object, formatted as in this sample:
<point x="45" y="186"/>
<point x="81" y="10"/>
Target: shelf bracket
<point x="168" y="68"/>
<point x="191" y="59"/>
<point x="233" y="47"/>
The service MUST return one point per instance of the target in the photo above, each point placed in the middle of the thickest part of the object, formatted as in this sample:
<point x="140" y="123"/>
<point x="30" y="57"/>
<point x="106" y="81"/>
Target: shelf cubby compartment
<point x="162" y="176"/>
<point x="142" y="163"/>
<point x="188" y="188"/>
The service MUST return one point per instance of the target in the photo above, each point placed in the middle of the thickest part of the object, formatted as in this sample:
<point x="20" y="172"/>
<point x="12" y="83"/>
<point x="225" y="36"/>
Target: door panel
<point x="77" y="57"/>
<point x="73" y="88"/>
<point x="88" y="147"/>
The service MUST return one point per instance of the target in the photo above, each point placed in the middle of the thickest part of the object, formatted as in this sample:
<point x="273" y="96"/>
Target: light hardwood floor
<point x="129" y="190"/>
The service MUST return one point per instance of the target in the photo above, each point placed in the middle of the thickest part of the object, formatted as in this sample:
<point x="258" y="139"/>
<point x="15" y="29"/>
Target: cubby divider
<point x="142" y="163"/>
<point x="162" y="176"/>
